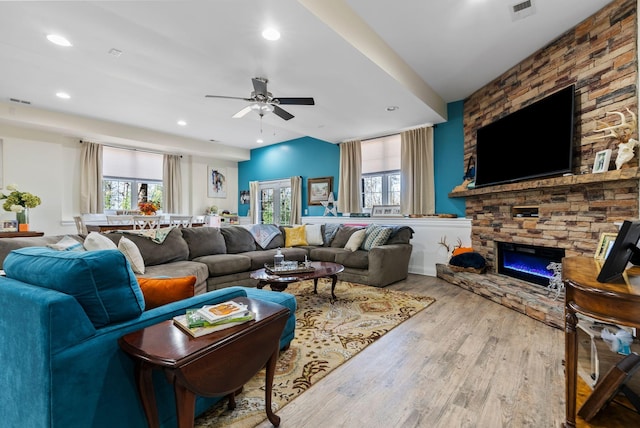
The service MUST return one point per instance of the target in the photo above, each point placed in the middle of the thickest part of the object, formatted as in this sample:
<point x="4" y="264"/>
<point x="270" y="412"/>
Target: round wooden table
<point x="280" y="282"/>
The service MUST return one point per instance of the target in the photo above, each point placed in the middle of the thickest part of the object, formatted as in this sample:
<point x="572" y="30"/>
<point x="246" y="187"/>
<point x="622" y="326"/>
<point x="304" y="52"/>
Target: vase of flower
<point x="23" y="220"/>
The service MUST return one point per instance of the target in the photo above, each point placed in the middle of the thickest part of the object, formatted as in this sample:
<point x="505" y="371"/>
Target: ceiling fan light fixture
<point x="262" y="108"/>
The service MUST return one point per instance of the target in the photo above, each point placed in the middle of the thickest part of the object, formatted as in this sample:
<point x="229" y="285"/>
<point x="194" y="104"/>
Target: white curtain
<point x="254" y="191"/>
<point x="172" y="184"/>
<point x="417" y="190"/>
<point x="349" y="193"/>
<point x="91" y="200"/>
<point x="296" y="199"/>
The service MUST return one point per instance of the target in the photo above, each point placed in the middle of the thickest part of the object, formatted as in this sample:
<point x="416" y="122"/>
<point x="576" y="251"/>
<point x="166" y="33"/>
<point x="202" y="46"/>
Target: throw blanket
<point x="156" y="235"/>
<point x="263" y="233"/>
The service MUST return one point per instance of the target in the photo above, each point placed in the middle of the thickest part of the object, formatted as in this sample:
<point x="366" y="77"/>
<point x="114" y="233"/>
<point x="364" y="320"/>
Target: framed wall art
<point x="318" y="190"/>
<point x="216" y="182"/>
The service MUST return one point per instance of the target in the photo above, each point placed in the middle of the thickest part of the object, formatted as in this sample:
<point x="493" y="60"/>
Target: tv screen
<point x="535" y="141"/>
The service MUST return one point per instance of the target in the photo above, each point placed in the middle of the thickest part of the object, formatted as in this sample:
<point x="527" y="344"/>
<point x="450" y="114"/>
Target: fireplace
<point x="527" y="262"/>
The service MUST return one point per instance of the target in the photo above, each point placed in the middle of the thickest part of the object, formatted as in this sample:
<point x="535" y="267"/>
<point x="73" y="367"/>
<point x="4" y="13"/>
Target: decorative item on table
<point x="624" y="132"/>
<point x="288" y="267"/>
<point x="10" y="226"/>
<point x="223" y="311"/>
<point x="212" y="210"/>
<point x="19" y="203"/>
<point x="147" y="208"/>
<point x="196" y="325"/>
<point x="278" y="259"/>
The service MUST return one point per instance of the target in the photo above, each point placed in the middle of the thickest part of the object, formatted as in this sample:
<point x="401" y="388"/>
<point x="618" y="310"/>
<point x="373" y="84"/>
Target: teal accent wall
<point x="307" y="157"/>
<point x="311" y="158"/>
<point x="448" y="154"/>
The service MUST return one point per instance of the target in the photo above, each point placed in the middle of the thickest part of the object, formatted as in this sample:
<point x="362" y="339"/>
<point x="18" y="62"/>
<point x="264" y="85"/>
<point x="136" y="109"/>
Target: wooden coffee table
<point x="281" y="281"/>
<point x="215" y="364"/>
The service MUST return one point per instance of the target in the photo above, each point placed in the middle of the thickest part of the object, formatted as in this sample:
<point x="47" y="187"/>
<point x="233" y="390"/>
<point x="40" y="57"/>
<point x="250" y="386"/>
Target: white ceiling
<point x="355" y="57"/>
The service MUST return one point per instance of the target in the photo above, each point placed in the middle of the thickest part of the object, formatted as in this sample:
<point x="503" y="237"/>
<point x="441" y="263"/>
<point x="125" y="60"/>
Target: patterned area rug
<point x="327" y="335"/>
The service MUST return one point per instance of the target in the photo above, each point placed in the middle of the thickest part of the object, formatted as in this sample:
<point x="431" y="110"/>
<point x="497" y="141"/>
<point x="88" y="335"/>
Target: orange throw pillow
<point x="160" y="291"/>
<point x="461" y="250"/>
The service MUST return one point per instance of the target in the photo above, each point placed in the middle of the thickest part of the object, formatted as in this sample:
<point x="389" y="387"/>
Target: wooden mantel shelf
<point x="615" y="175"/>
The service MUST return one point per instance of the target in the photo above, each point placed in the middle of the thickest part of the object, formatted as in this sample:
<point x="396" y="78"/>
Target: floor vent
<point x="522" y="9"/>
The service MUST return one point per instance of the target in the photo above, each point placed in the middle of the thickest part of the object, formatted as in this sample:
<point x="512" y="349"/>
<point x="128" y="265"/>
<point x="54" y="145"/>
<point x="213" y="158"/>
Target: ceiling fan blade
<point x="282" y="113"/>
<point x="242" y="112"/>
<point x="259" y="86"/>
<point x="297" y="101"/>
<point x="229" y="98"/>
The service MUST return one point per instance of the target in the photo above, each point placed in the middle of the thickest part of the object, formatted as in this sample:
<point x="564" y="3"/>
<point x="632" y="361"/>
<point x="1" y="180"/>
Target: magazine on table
<point x="220" y="311"/>
<point x="193" y="323"/>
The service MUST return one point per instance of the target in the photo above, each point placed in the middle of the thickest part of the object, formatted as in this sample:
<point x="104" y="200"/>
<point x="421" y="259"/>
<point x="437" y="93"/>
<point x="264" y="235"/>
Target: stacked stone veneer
<point x="599" y="56"/>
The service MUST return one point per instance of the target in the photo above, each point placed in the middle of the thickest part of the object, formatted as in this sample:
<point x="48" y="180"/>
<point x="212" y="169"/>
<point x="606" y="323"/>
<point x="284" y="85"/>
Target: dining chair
<point x="80" y="226"/>
<point x="119" y="219"/>
<point x="181" y="220"/>
<point x="146" y="221"/>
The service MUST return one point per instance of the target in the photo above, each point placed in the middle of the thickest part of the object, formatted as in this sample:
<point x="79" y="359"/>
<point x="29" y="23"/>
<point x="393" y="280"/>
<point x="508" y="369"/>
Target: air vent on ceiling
<point x="522" y="9"/>
<point x="15" y="100"/>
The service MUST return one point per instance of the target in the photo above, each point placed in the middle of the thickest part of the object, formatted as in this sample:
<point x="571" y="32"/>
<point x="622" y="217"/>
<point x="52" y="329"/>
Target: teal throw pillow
<point x="375" y="236"/>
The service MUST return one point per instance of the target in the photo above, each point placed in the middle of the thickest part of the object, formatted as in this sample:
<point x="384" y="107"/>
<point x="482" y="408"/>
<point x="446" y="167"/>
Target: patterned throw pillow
<point x="375" y="236"/>
<point x="294" y="236"/>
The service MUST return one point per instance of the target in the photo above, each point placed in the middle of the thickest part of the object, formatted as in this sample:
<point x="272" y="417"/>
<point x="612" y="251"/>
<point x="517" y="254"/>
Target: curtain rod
<point x="394" y="133"/>
<point x="115" y="146"/>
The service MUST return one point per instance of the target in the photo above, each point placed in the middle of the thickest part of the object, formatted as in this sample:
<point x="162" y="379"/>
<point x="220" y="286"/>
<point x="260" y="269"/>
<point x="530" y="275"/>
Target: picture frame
<point x="605" y="243"/>
<point x="602" y="160"/>
<point x="10" y="226"/>
<point x="386" y="211"/>
<point x="216" y="182"/>
<point x="318" y="190"/>
<point x="245" y="197"/>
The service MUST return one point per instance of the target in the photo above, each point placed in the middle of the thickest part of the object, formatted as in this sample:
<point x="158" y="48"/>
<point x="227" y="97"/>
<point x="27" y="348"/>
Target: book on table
<point x="194" y="323"/>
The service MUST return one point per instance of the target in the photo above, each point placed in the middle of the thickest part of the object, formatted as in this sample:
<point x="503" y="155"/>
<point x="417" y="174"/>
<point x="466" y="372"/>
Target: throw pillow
<point x="132" y="253"/>
<point x="294" y="236"/>
<point x="355" y="240"/>
<point x="375" y="236"/>
<point x="330" y="230"/>
<point x="313" y="234"/>
<point x="95" y="241"/>
<point x="343" y="234"/>
<point x="161" y="291"/>
<point x="67" y="243"/>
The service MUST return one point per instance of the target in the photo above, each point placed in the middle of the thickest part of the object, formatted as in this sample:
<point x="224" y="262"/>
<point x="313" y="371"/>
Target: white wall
<point x="47" y="165"/>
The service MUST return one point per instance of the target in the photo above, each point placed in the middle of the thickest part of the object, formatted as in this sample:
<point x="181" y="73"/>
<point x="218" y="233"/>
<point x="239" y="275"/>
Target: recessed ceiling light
<point x="63" y="95"/>
<point x="58" y="40"/>
<point x="392" y="108"/>
<point x="271" y="34"/>
<point x="182" y="123"/>
<point x="259" y="141"/>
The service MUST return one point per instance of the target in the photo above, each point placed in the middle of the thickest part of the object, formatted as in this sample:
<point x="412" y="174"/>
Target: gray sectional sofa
<point x="222" y="257"/>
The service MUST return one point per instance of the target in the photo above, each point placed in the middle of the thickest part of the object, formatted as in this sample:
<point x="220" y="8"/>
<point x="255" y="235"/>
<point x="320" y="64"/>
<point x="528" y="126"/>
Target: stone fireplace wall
<point x="599" y="56"/>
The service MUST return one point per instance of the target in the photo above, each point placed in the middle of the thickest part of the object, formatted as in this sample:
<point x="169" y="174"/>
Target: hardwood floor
<point x="462" y="362"/>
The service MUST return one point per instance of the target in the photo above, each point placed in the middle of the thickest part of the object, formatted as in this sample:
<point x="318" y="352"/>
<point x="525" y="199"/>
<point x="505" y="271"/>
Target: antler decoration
<point x="621" y="132"/>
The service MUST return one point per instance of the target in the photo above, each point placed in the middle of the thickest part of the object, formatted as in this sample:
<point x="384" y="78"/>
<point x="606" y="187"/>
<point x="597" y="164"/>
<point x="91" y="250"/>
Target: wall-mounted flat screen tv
<point x="533" y="142"/>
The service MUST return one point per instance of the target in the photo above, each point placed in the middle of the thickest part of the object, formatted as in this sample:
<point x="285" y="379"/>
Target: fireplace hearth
<point x="527" y="262"/>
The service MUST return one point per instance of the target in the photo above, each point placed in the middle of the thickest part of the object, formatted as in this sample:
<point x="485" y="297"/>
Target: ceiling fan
<point x="263" y="102"/>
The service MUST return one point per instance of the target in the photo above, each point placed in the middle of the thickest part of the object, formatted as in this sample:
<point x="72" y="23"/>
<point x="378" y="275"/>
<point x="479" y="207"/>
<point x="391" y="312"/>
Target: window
<point x="275" y="202"/>
<point x="131" y="177"/>
<point x="381" y="171"/>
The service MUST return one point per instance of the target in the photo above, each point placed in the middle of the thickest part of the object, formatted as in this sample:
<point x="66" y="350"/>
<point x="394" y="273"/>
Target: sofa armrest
<point x="389" y="263"/>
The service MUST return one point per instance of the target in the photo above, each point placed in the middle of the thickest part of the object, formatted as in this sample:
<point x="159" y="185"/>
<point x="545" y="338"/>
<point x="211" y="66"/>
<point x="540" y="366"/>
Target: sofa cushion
<point x="355" y="240"/>
<point x="204" y="241"/>
<point x="314" y="234"/>
<point x="160" y="291"/>
<point x="95" y="241"/>
<point x="325" y="254"/>
<point x="343" y="234"/>
<point x="358" y="259"/>
<point x="132" y="253"/>
<point x="375" y="236"/>
<point x="238" y="239"/>
<point x="400" y="235"/>
<point x="295" y="236"/>
<point x="173" y="249"/>
<point x="225" y="264"/>
<point x="101" y="281"/>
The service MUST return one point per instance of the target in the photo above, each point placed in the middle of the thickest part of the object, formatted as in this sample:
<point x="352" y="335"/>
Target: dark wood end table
<point x="281" y="281"/>
<point x="216" y="364"/>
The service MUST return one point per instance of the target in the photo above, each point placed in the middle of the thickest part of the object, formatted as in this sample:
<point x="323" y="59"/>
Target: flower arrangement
<point x="18" y="201"/>
<point x="147" y="208"/>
